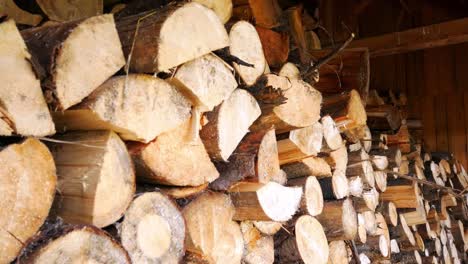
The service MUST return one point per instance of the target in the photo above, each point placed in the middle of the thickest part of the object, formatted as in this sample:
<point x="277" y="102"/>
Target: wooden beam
<point x="437" y="35"/>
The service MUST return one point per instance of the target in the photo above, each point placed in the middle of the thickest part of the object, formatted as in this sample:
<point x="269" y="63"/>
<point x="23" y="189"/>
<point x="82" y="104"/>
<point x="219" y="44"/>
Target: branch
<point x="332" y="54"/>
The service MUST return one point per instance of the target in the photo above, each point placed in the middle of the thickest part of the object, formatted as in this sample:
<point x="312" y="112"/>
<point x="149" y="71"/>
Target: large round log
<point x="153" y="230"/>
<point x="211" y="232"/>
<point x="228" y="123"/>
<point x="27" y="183"/>
<point x="74" y="244"/>
<point x="23" y="110"/>
<point x="339" y="220"/>
<point x="309" y="243"/>
<point x="63" y="49"/>
<point x="167" y="159"/>
<point x="91" y="170"/>
<point x="138" y="106"/>
<point x="161" y="40"/>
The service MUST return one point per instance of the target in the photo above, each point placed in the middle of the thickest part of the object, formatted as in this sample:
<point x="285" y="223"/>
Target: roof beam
<point x="437" y="35"/>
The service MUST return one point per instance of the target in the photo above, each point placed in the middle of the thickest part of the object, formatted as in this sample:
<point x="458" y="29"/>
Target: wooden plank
<point x="436" y="35"/>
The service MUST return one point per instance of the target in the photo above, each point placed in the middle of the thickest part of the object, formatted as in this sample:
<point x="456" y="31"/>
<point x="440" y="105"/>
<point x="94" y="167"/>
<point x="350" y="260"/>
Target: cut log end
<point x="245" y="44"/>
<point x="311" y="240"/>
<point x="153" y="230"/>
<point x="331" y="133"/>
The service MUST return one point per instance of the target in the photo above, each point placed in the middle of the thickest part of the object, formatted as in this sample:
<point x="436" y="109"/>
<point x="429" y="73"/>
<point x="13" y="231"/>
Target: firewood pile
<point x="201" y="132"/>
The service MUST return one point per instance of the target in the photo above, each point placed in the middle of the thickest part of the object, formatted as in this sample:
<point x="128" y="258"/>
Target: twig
<point x="428" y="183"/>
<point x="332" y="54"/>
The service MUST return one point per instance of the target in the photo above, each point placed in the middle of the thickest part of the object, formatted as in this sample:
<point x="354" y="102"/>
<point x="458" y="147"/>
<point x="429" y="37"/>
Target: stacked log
<point x="217" y="143"/>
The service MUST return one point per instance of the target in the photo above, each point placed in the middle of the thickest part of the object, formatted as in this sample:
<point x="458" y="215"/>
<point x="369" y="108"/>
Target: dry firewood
<point x="367" y="202"/>
<point x="206" y="81"/>
<point x="331" y="134"/>
<point x="9" y="8"/>
<point x="337" y="186"/>
<point x="302" y="108"/>
<point x="267" y="13"/>
<point x="245" y="45"/>
<point x="317" y="167"/>
<point x="361" y="236"/>
<point x="153" y="230"/>
<point x="400" y="139"/>
<point x="356" y="187"/>
<point x="459" y="212"/>
<point x="366" y="141"/>
<point x="183" y="192"/>
<point x="281" y="177"/>
<point x="255" y="159"/>
<point x="338" y="252"/>
<point x="160" y="40"/>
<point x="339" y="220"/>
<point x="407" y="257"/>
<point x="73" y="244"/>
<point x="402" y="193"/>
<point x="167" y="159"/>
<point x="222" y="8"/>
<point x="308" y="245"/>
<point x="259" y="249"/>
<point x="433" y="246"/>
<point x="264" y="202"/>
<point x="380" y="180"/>
<point x="458" y="232"/>
<point x="429" y="260"/>
<point x="312" y="198"/>
<point x="64" y="48"/>
<point x="28" y="186"/>
<point x="338" y="159"/>
<point x="301" y="143"/>
<point x="359" y="164"/>
<point x="433" y="220"/>
<point x="297" y="31"/>
<point x="389" y="212"/>
<point x="376" y="248"/>
<point x="379" y="162"/>
<point x="138" y="107"/>
<point x="66" y="10"/>
<point x="23" y="110"/>
<point x="383" y="117"/>
<point x="219" y="135"/>
<point x="275" y="46"/>
<point x="210" y="231"/>
<point x="92" y="167"/>
<point x="268" y="227"/>
<point x="346" y="109"/>
<point x="403" y="234"/>
<point x="290" y="71"/>
<point x="370" y="223"/>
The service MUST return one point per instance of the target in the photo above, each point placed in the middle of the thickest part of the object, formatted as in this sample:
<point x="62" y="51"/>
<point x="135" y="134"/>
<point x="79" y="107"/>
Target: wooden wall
<point x="435" y="80"/>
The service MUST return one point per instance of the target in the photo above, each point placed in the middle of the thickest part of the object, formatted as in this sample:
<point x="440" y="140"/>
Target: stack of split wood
<point x="184" y="140"/>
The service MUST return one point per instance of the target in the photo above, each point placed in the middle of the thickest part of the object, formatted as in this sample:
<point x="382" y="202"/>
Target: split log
<point x="366" y="141"/>
<point x="308" y="245"/>
<point x="433" y="247"/>
<point x="356" y="187"/>
<point x="379" y="162"/>
<point x="433" y="220"/>
<point x="92" y="167"/>
<point x="312" y="198"/>
<point x="349" y="70"/>
<point x="346" y="108"/>
<point x="206" y="81"/>
<point x="255" y="159"/>
<point x="138" y="107"/>
<point x="331" y="134"/>
<point x="268" y="227"/>
<point x="429" y="260"/>
<point x="403" y="234"/>
<point x="338" y="253"/>
<point x="275" y="46"/>
<point x="66" y="10"/>
<point x="267" y="13"/>
<point x="380" y="180"/>
<point x="74" y="244"/>
<point x="9" y="8"/>
<point x="339" y="220"/>
<point x="264" y="202"/>
<point x="222" y="8"/>
<point x="376" y="248"/>
<point x="362" y="233"/>
<point x="393" y="155"/>
<point x="301" y="143"/>
<point x="290" y="71"/>
<point x="27" y="185"/>
<point x="297" y="31"/>
<point x="458" y="233"/>
<point x="63" y="49"/>
<point x="338" y="159"/>
<point x="370" y="223"/>
<point x="245" y="44"/>
<point x="188" y="193"/>
<point x="206" y="218"/>
<point x="161" y="40"/>
<point x="23" y="109"/>
<point x="407" y="257"/>
<point x="401" y="139"/>
<point x="317" y="167"/>
<point x="336" y="187"/>
<point x="367" y="202"/>
<point x="219" y="135"/>
<point x="167" y="159"/>
<point x="153" y="230"/>
<point x="402" y="194"/>
<point x="258" y="248"/>
<point x="389" y="211"/>
<point x="302" y="108"/>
